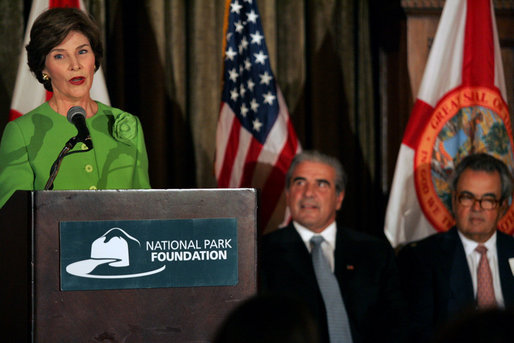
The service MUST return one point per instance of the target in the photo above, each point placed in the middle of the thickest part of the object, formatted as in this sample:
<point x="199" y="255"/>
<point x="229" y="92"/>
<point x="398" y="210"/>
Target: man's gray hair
<point x="486" y="163"/>
<point x="316" y="156"/>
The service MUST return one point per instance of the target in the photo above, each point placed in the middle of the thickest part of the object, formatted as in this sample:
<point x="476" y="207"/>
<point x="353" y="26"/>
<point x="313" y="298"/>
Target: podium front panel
<point x="166" y="314"/>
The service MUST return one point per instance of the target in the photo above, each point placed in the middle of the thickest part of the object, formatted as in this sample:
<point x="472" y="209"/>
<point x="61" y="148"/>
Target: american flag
<point x="255" y="139"/>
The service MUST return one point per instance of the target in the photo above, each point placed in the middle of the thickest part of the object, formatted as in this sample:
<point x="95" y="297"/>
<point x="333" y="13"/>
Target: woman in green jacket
<point x="64" y="52"/>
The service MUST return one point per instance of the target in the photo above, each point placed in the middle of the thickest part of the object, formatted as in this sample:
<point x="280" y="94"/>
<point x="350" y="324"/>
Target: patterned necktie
<point x="337" y="319"/>
<point x="485" y="289"/>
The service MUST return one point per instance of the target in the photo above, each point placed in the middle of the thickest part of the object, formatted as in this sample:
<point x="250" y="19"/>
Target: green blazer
<point x="31" y="144"/>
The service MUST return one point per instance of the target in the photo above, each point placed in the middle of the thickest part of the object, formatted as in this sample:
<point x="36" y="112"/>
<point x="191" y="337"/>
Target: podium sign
<point x="148" y="253"/>
<point x="69" y="260"/>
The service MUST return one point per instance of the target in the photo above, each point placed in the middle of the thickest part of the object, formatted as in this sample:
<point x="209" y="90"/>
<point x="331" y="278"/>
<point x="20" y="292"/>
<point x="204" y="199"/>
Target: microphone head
<point x="74" y="111"/>
<point x="77" y="116"/>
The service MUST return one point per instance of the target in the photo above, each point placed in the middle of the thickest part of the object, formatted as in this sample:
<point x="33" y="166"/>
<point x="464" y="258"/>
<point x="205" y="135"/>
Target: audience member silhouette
<point x="268" y="319"/>
<point x="480" y="326"/>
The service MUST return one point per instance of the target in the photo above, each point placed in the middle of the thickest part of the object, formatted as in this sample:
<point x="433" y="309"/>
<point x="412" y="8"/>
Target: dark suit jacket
<point x="437" y="282"/>
<point x="365" y="268"/>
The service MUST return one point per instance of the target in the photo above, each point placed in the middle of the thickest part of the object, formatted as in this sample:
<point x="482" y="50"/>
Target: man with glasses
<point x="470" y="266"/>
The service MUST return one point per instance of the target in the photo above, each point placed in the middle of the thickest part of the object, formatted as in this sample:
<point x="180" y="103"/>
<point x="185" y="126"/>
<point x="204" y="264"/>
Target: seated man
<point x="348" y="280"/>
<point x="468" y="266"/>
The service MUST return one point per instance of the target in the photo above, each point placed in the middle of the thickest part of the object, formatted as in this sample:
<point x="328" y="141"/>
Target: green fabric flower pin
<point x="125" y="128"/>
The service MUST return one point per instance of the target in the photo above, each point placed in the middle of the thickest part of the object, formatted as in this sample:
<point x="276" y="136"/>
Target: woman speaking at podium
<point x="98" y="147"/>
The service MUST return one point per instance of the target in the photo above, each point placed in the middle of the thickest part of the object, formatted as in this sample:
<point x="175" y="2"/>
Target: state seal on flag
<point x="467" y="120"/>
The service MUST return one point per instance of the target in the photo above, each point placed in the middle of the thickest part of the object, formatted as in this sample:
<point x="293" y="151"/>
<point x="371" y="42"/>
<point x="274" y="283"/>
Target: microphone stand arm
<point x="57" y="164"/>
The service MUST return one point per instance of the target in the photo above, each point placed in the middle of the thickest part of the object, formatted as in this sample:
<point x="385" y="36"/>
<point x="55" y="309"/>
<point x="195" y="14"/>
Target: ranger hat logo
<point x="112" y="251"/>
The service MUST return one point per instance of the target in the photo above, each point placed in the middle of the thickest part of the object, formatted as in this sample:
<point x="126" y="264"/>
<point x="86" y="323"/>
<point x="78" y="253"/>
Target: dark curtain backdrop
<point x="163" y="64"/>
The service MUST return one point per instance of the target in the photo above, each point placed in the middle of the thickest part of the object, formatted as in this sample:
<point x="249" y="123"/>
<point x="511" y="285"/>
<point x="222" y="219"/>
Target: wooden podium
<point x="35" y="309"/>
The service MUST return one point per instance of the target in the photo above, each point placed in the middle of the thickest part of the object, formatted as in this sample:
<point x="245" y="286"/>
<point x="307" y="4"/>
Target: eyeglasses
<point x="486" y="203"/>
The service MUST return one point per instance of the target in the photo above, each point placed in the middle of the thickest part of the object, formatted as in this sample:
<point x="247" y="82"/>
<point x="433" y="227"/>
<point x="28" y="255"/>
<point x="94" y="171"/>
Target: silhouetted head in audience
<point x="480" y="326"/>
<point x="268" y="319"/>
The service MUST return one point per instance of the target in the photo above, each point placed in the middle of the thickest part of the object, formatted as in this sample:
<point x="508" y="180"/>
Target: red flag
<point x="28" y="92"/>
<point x="255" y="139"/>
<point x="460" y="109"/>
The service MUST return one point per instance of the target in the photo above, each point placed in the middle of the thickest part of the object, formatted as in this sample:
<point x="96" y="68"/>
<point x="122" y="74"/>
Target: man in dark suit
<point x="363" y="267"/>
<point x="443" y="275"/>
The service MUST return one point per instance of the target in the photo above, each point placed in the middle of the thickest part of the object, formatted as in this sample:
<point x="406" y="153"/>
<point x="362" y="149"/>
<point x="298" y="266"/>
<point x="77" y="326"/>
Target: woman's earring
<point x="46" y="77"/>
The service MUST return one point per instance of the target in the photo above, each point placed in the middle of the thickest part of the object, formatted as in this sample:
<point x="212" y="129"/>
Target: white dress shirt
<point x="473" y="258"/>
<point x="328" y="246"/>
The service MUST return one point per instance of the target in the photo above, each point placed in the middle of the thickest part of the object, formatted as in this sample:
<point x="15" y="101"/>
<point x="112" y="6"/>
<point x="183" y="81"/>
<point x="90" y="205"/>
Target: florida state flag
<point x="460" y="109"/>
<point x="28" y="92"/>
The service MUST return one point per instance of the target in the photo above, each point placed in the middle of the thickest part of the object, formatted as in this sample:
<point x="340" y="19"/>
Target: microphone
<point x="77" y="116"/>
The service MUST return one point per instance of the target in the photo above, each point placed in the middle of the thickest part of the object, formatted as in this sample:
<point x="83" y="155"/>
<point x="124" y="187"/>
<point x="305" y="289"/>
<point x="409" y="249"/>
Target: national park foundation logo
<point x="130" y="254"/>
<point x="469" y="119"/>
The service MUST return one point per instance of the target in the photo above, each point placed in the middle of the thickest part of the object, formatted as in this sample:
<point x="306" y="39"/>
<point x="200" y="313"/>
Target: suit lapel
<point x="343" y="255"/>
<point x="296" y="254"/>
<point x="456" y="269"/>
<point x="344" y="268"/>
<point x="505" y="250"/>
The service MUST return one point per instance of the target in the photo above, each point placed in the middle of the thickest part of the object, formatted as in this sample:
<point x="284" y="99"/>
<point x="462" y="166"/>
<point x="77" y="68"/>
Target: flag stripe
<point x="230" y="151"/>
<point x="245" y="141"/>
<point x="64" y="3"/>
<point x="28" y="92"/>
<point x="250" y="163"/>
<point x="13" y="114"/>
<point x="420" y="117"/>
<point x="499" y="77"/>
<point x="276" y="181"/>
<point x="403" y="210"/>
<point x="222" y="136"/>
<point x="478" y="63"/>
<point x="448" y="75"/>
